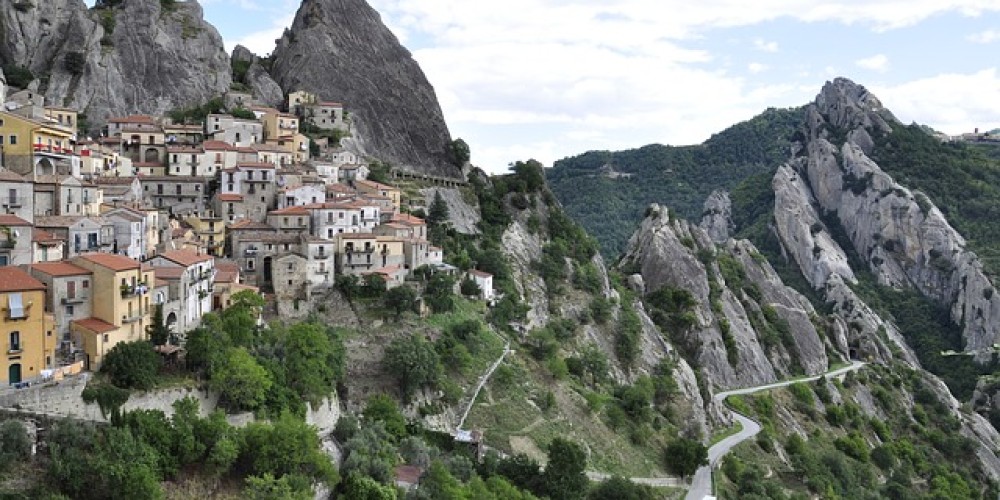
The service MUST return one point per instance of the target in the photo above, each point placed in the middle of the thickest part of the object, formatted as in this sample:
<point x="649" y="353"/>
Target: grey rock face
<point x="903" y="238"/>
<point x="241" y="53"/>
<point x="462" y="216"/>
<point x="153" y="61"/>
<point x="264" y="88"/>
<point x="340" y="50"/>
<point x="666" y="251"/>
<point x="717" y="216"/>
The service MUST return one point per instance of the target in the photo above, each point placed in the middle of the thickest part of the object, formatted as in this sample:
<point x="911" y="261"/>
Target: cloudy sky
<point x="547" y="79"/>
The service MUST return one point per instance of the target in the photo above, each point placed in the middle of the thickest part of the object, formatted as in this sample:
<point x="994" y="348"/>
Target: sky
<point x="547" y="79"/>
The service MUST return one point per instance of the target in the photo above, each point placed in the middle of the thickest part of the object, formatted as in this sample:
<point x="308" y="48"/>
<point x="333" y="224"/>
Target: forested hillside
<point x="607" y="191"/>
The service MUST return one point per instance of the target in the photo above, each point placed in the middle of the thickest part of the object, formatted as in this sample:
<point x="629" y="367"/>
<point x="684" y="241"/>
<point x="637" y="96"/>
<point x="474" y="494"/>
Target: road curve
<point x="701" y="484"/>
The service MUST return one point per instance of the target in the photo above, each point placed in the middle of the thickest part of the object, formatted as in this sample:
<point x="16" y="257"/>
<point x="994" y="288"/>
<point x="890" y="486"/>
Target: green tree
<point x="132" y="365"/>
<point x="400" y="299"/>
<point x="438" y="212"/>
<point x="314" y="360"/>
<point x="439" y="293"/>
<point x="684" y="456"/>
<point x="206" y="345"/>
<point x="619" y="488"/>
<point x="267" y="487"/>
<point x="240" y="380"/>
<point x="358" y="487"/>
<point x="460" y="153"/>
<point x="469" y="288"/>
<point x="287" y="446"/>
<point x="564" y="477"/>
<point x="157" y="330"/>
<point x="382" y="408"/>
<point x="414" y="363"/>
<point x="15" y="445"/>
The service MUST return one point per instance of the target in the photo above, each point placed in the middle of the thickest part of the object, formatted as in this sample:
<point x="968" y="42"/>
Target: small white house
<point x="485" y="282"/>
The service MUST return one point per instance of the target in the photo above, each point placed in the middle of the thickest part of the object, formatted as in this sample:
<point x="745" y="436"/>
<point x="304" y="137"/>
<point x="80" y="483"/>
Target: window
<point x="250" y="264"/>
<point x="1" y="137"/>
<point x="291" y="267"/>
<point x="105" y="338"/>
<point x="86" y="284"/>
<point x="15" y="341"/>
<point x="13" y="140"/>
<point x="69" y="310"/>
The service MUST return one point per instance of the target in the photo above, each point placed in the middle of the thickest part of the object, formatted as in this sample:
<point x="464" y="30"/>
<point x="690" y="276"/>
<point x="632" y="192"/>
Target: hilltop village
<point x="181" y="212"/>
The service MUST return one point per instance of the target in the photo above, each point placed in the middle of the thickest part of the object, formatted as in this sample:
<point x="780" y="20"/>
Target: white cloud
<point x="952" y="103"/>
<point x="755" y="68"/>
<point x="878" y="62"/>
<point x="988" y="36"/>
<point x="763" y="46"/>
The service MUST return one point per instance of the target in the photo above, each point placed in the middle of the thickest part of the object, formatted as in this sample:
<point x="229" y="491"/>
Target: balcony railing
<point x="132" y="319"/>
<point x="73" y="300"/>
<point x="250" y="252"/>
<point x="8" y="244"/>
<point x="16" y="202"/>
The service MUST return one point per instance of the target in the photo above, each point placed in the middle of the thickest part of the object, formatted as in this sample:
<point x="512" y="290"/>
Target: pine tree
<point x="439" y="210"/>
<point x="157" y="330"/>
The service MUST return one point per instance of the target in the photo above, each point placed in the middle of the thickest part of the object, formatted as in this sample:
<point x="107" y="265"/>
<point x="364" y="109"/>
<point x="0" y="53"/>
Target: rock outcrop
<point x="340" y="50"/>
<point x="717" y="216"/>
<point x="899" y="234"/>
<point x="732" y="320"/>
<point x="263" y="87"/>
<point x="462" y="216"/>
<point x="138" y="57"/>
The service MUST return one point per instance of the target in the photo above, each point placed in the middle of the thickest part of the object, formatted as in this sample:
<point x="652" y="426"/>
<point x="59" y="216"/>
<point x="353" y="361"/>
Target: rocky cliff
<point x="901" y="236"/>
<point x="749" y="328"/>
<point x="137" y="57"/>
<point x="340" y="50"/>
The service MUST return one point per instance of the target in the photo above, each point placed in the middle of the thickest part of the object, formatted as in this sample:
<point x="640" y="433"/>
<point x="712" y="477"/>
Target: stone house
<point x="191" y="278"/>
<point x="81" y="234"/>
<point x="239" y="132"/>
<point x="130" y="231"/>
<point x="485" y="282"/>
<point x="353" y="172"/>
<point x="32" y="146"/>
<point x="177" y="195"/>
<point x="372" y="188"/>
<point x="295" y="219"/>
<point x="255" y="182"/>
<point x="189" y="161"/>
<point x="68" y="294"/>
<point x="221" y="155"/>
<point x="294" y="196"/>
<point x="358" y="253"/>
<point x="46" y="247"/>
<point x="17" y="195"/>
<point x="66" y="195"/>
<point x="331" y="219"/>
<point x="15" y="241"/>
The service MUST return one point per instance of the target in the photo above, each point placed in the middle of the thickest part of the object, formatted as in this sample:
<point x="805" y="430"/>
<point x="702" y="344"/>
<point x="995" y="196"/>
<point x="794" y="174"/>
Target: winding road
<point x="701" y="485"/>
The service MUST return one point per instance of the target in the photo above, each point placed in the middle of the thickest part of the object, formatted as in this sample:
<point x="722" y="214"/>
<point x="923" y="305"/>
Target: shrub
<point x="132" y="365"/>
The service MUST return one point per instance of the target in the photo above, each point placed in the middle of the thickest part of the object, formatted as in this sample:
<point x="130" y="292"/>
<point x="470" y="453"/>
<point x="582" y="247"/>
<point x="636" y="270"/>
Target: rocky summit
<point x="341" y="49"/>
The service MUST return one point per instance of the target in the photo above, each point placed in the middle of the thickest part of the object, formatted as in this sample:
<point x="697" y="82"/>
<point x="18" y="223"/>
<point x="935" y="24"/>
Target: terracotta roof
<point x="8" y="176"/>
<point x="157" y="283"/>
<point x="95" y="325"/>
<point x="169" y="273"/>
<point x="186" y="257"/>
<point x="480" y="274"/>
<point x="373" y="184"/>
<point x="407" y="219"/>
<point x="15" y="279"/>
<point x="387" y="270"/>
<point x="12" y="220"/>
<point x="297" y="210"/>
<point x="113" y="180"/>
<point x="184" y="149"/>
<point x="61" y="268"/>
<point x="111" y="261"/>
<point x="217" y="145"/>
<point x="226" y="276"/>
<point x="230" y="197"/>
<point x="43" y="237"/>
<point x="133" y="119"/>
<point x="408" y="474"/>
<point x="51" y="179"/>
<point x="57" y="220"/>
<point x="248" y="224"/>
<point x="331" y="103"/>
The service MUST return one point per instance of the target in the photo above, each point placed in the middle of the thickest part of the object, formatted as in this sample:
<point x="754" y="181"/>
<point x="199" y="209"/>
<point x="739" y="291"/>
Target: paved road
<point x="701" y="485"/>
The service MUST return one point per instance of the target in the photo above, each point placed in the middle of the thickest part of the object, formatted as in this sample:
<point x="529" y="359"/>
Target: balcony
<point x="14" y="348"/>
<point x="129" y="291"/>
<point x="68" y="301"/>
<point x="249" y="252"/>
<point x="47" y="150"/>
<point x="7" y="244"/>
<point x="131" y="319"/>
<point x="17" y="202"/>
<point x="366" y="250"/>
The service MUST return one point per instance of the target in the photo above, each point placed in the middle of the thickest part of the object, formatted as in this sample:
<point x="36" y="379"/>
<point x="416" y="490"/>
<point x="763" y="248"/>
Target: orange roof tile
<point x="169" y="273"/>
<point x="61" y="268"/>
<point x="230" y="197"/>
<point x="95" y="325"/>
<point x="111" y="261"/>
<point x="297" y="210"/>
<point x="218" y="145"/>
<point x="186" y="257"/>
<point x="12" y="220"/>
<point x="15" y="279"/>
<point x="146" y="119"/>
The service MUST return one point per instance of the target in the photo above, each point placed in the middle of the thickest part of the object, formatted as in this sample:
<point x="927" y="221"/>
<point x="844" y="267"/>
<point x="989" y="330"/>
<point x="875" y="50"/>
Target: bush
<point x="15" y="445"/>
<point x="132" y="365"/>
<point x="684" y="456"/>
<point x="241" y="381"/>
<point x="414" y="363"/>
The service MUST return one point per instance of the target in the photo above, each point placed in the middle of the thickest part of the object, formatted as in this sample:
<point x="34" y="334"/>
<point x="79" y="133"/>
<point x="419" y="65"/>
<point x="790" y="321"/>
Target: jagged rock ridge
<point x="341" y="50"/>
<point x="142" y="58"/>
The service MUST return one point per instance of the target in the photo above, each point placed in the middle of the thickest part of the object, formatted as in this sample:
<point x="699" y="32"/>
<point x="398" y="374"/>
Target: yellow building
<point x="210" y="231"/>
<point x="120" y="305"/>
<point x="26" y="329"/>
<point x="373" y="188"/>
<point x="279" y="125"/>
<point x="66" y="117"/>
<point x="26" y="144"/>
